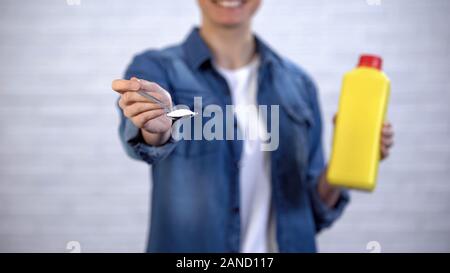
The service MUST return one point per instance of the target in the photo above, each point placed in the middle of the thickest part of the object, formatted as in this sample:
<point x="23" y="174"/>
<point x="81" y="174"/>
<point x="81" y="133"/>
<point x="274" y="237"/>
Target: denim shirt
<point x="195" y="196"/>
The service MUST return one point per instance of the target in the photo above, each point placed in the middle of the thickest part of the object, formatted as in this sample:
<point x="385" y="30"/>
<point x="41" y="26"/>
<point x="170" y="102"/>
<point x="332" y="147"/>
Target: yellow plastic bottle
<point x="357" y="135"/>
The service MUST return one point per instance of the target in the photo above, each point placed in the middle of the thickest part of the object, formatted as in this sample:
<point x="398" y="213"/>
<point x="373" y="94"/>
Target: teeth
<point x="230" y="3"/>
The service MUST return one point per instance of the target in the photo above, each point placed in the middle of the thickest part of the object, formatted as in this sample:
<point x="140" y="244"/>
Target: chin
<point x="230" y="13"/>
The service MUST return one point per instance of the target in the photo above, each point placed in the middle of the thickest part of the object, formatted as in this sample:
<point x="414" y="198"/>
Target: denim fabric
<point x="195" y="196"/>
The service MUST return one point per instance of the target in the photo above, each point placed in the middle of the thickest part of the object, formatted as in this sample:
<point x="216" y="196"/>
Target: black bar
<point x="86" y="262"/>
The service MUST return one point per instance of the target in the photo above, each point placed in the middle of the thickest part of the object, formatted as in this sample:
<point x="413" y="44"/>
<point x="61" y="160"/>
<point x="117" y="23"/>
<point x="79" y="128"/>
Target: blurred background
<point x="64" y="176"/>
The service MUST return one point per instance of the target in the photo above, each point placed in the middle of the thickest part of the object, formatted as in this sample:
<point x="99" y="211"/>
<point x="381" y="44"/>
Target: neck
<point x="232" y="48"/>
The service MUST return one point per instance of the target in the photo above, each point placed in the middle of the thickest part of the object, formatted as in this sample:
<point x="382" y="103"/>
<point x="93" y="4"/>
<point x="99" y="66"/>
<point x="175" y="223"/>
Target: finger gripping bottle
<point x="357" y="136"/>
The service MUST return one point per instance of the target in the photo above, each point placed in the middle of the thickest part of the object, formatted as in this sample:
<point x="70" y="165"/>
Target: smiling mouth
<point x="229" y="3"/>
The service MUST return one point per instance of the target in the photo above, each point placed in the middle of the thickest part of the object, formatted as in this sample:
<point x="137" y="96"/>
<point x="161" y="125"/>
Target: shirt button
<point x="236" y="210"/>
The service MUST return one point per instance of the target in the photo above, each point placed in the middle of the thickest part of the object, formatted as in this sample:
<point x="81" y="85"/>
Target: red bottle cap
<point x="372" y="61"/>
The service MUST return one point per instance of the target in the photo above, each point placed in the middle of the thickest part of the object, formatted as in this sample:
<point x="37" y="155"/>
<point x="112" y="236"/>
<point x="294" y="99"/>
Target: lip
<point x="229" y="4"/>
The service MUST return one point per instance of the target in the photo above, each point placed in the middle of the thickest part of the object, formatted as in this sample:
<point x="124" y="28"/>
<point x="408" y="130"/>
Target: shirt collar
<point x="198" y="53"/>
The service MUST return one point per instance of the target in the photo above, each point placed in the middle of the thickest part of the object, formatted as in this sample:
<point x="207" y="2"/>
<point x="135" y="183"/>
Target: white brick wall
<point x="64" y="175"/>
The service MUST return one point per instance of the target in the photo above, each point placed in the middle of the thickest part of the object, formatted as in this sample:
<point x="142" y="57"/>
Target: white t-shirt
<point x="257" y="217"/>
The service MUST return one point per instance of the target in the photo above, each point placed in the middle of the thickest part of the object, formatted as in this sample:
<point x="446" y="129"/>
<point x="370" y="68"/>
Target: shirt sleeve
<point x="144" y="66"/>
<point x="324" y="216"/>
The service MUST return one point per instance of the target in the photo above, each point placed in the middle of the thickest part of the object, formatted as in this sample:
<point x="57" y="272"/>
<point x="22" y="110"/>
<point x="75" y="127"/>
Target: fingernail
<point x="135" y="79"/>
<point x="135" y="85"/>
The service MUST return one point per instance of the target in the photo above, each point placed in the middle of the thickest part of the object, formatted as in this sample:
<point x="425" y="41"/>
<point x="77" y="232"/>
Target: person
<point x="229" y="195"/>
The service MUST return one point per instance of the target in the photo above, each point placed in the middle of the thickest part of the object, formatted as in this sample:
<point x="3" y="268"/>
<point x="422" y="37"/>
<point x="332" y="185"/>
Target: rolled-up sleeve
<point x="144" y="66"/>
<point x="324" y="215"/>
